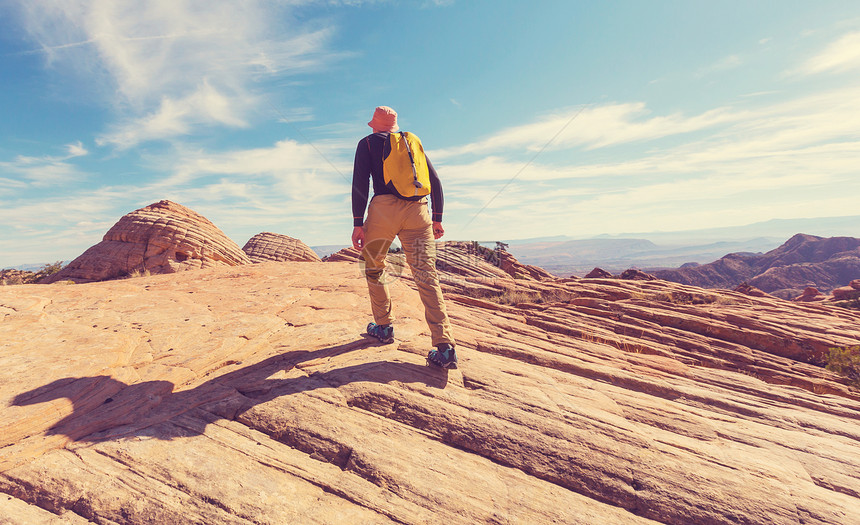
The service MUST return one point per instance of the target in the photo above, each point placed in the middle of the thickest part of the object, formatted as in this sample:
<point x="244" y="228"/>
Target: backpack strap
<point x="411" y="161"/>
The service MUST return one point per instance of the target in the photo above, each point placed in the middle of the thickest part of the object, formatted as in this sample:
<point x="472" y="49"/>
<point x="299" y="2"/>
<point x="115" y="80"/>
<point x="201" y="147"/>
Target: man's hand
<point x="438" y="230"/>
<point x="358" y="237"/>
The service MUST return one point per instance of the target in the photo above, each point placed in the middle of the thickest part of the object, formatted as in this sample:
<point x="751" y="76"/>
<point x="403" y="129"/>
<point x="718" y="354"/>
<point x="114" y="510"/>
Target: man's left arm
<point x="437" y="200"/>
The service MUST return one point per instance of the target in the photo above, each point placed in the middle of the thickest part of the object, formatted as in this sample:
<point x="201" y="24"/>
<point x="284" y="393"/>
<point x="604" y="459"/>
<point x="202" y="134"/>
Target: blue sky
<point x="542" y="118"/>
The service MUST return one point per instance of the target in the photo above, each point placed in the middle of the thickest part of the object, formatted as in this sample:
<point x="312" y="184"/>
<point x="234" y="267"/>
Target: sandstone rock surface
<point x="810" y="294"/>
<point x="164" y="237"/>
<point x="266" y="247"/>
<point x="748" y="289"/>
<point x="846" y="293"/>
<point x="246" y="395"/>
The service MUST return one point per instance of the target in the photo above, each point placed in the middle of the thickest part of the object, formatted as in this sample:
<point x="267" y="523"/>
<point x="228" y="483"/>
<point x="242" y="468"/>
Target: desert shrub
<point x="845" y="361"/>
<point x="50" y="269"/>
<point x="491" y="256"/>
<point x="664" y="297"/>
<point x="853" y="304"/>
<point x="530" y="296"/>
<point x="516" y="297"/>
<point x="674" y="297"/>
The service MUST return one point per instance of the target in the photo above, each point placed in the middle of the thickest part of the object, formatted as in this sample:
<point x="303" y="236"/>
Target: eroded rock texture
<point x="266" y="247"/>
<point x="235" y="395"/>
<point x="163" y="237"/>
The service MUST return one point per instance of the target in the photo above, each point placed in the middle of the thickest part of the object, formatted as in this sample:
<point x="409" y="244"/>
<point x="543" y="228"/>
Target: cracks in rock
<point x="165" y="481"/>
<point x="344" y="457"/>
<point x="28" y="493"/>
<point x="634" y="332"/>
<point x="7" y="307"/>
<point x="335" y="491"/>
<point x="473" y="384"/>
<point x="229" y="362"/>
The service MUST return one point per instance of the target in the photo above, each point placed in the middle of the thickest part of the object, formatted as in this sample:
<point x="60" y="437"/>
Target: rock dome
<point x="266" y="246"/>
<point x="164" y="237"/>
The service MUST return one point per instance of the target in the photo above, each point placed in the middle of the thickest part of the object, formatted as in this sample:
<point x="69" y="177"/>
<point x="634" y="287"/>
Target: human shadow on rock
<point x="105" y="408"/>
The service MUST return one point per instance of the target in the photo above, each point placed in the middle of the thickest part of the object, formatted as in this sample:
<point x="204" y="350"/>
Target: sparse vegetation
<point x="624" y="346"/>
<point x="493" y="257"/>
<point x="845" y="361"/>
<point x="138" y="273"/>
<point x="13" y="277"/>
<point x="725" y="300"/>
<point x="853" y="304"/>
<point x="50" y="269"/>
<point x="677" y="297"/>
<point x="509" y="297"/>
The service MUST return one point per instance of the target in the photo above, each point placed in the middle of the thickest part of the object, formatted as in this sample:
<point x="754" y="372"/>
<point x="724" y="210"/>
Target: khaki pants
<point x="389" y="216"/>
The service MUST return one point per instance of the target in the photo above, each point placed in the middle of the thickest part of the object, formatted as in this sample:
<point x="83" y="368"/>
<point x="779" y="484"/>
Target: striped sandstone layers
<point x="163" y="237"/>
<point x="266" y="247"/>
<point x="239" y="396"/>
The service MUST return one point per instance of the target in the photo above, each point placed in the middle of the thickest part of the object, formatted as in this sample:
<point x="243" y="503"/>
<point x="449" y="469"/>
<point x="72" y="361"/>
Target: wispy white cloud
<point x="840" y="56"/>
<point x="777" y="159"/>
<point x="205" y="106"/>
<point x="724" y="64"/>
<point x="76" y="149"/>
<point x="174" y="65"/>
<point x="45" y="170"/>
<point x="593" y="127"/>
<point x="51" y="228"/>
<point x="285" y="160"/>
<point x="769" y="131"/>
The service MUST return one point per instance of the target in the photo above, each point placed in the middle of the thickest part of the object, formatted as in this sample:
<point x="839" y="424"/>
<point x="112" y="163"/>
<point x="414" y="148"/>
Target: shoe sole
<point x="449" y="366"/>
<point x="383" y="341"/>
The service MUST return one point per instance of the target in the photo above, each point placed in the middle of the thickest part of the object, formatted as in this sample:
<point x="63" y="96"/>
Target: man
<point x="390" y="215"/>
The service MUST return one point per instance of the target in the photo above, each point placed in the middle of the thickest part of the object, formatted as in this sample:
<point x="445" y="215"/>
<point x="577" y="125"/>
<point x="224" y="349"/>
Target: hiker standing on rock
<point x="402" y="179"/>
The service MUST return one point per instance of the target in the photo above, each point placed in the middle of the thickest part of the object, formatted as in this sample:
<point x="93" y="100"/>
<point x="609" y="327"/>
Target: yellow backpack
<point x="405" y="169"/>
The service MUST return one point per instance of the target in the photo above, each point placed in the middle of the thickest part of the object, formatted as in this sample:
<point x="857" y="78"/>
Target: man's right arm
<point x="360" y="182"/>
<point x="360" y="192"/>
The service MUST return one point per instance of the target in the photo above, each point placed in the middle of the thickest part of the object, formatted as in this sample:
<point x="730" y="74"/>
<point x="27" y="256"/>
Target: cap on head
<point x="384" y="119"/>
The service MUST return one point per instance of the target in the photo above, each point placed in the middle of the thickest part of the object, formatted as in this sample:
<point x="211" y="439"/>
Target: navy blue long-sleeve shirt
<point x="369" y="155"/>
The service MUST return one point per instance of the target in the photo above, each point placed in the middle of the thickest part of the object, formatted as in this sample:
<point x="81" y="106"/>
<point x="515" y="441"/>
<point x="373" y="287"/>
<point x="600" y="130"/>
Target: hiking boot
<point x="385" y="332"/>
<point x="443" y="357"/>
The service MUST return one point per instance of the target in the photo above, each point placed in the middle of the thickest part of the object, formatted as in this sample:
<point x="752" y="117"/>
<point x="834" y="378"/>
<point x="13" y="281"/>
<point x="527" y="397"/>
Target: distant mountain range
<point x="804" y="260"/>
<point x="653" y="251"/>
<point x="615" y="255"/>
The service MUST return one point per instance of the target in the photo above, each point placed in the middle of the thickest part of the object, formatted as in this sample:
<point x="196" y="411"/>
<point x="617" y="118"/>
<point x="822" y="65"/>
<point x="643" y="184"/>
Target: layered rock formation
<point x="810" y="295"/>
<point x="266" y="247"/>
<point x="848" y="293"/>
<point x="234" y="395"/>
<point x="803" y="261"/>
<point x="163" y="237"/>
<point x="748" y="289"/>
